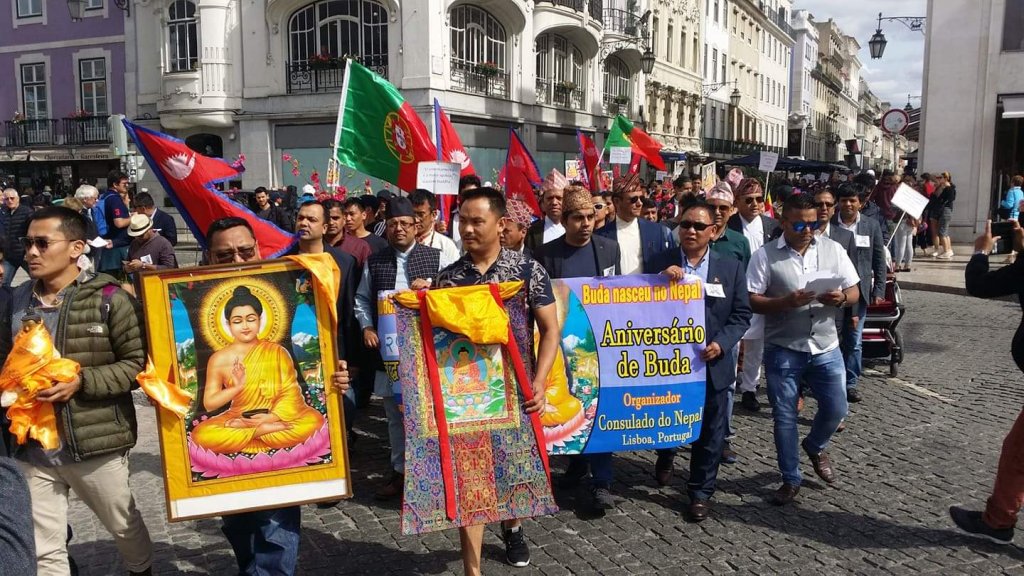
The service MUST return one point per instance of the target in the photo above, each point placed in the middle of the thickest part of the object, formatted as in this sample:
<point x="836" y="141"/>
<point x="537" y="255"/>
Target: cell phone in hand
<point x="1004" y="230"/>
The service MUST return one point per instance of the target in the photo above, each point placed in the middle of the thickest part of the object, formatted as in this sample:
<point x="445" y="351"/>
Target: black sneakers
<point x="517" y="552"/>
<point x="749" y="402"/>
<point x="602" y="498"/>
<point x="970" y="522"/>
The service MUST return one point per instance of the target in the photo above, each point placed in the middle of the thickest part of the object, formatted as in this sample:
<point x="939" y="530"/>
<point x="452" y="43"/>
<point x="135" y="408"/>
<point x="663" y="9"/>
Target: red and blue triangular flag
<point x="520" y="174"/>
<point x="188" y="178"/>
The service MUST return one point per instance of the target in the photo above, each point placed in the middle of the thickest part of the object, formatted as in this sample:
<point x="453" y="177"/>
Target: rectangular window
<point x="92" y="78"/>
<point x="668" y="44"/>
<point x="716" y="11"/>
<point x="682" y="51"/>
<point x="723" y="67"/>
<point x="33" y="91"/>
<point x="714" y="65"/>
<point x="705" y="60"/>
<point x="29" y="8"/>
<point x="94" y="4"/>
<point x="710" y="130"/>
<point x="1013" y="26"/>
<point x="654" y="35"/>
<point x="695" y="51"/>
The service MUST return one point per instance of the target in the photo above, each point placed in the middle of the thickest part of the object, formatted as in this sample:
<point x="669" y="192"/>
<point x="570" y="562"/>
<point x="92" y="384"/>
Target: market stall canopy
<point x="787" y="164"/>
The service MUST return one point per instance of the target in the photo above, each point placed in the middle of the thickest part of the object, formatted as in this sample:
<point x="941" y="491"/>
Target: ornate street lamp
<point x="877" y="44"/>
<point x="878" y="41"/>
<point x="77" y="7"/>
<point x="734" y="98"/>
<point x="647" y="61"/>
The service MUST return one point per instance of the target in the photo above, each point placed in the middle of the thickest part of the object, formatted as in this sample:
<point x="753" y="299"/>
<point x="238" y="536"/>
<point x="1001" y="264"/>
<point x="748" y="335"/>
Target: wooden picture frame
<point x="279" y="438"/>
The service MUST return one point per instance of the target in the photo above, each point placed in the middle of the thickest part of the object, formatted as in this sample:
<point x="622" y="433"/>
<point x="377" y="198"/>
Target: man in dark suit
<point x="639" y="240"/>
<point x="581" y="254"/>
<point x="870" y="264"/>
<point x="162" y="221"/>
<point x="825" y="203"/>
<point x="727" y="317"/>
<point x="550" y="226"/>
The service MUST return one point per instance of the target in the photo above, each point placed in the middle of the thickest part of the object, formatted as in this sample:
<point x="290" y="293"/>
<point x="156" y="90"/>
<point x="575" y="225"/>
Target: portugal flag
<point x="378" y="133"/>
<point x="188" y="178"/>
<point x="623" y="134"/>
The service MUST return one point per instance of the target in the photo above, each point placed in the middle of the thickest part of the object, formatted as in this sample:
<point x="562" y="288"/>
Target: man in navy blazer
<point x="727" y="317"/>
<point x="639" y="240"/>
<point x="870" y="263"/>
<point x="162" y="221"/>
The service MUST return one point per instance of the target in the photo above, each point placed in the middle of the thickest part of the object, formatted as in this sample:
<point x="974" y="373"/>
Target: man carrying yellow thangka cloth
<point x="470" y="389"/>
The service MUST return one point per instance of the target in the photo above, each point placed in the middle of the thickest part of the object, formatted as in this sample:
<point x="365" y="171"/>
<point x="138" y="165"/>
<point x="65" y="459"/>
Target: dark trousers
<point x="706" y="452"/>
<point x="266" y="542"/>
<point x="1008" y="493"/>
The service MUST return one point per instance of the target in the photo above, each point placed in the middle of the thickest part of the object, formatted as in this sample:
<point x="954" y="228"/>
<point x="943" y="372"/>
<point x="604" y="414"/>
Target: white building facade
<point x="674" y="88"/>
<point x="972" y="127"/>
<point x="803" y="86"/>
<point x="262" y="77"/>
<point x="774" y="60"/>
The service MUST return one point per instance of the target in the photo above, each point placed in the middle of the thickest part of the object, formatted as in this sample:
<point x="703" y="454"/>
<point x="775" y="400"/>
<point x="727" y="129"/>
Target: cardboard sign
<point x="910" y="201"/>
<point x="620" y="155"/>
<point x="439" y="177"/>
<point x="572" y="170"/>
<point x="768" y="161"/>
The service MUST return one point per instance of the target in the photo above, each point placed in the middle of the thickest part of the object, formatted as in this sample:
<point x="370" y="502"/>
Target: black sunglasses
<point x="799" y="227"/>
<point x="824" y="204"/>
<point x="698" y="226"/>
<point x="751" y="199"/>
<point x="39" y="242"/>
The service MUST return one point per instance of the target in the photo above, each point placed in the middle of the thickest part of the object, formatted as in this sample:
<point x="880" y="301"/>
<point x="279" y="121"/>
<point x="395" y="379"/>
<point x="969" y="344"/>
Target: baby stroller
<point x="882" y="336"/>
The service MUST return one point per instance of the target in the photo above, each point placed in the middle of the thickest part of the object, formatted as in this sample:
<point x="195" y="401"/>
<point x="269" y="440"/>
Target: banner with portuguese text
<point x="628" y="374"/>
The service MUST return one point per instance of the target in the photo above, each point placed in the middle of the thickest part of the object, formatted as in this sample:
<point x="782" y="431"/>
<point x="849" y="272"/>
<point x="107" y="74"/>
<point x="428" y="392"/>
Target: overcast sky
<point x="899" y="71"/>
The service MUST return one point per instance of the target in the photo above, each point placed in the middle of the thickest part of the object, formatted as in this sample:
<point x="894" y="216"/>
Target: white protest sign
<point x="678" y="168"/>
<point x="439" y="177"/>
<point x="660" y="175"/>
<point x="910" y="201"/>
<point x="824" y="177"/>
<point x="768" y="161"/>
<point x="620" y="155"/>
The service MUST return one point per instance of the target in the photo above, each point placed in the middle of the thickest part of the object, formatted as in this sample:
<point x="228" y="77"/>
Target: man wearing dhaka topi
<point x="259" y="381"/>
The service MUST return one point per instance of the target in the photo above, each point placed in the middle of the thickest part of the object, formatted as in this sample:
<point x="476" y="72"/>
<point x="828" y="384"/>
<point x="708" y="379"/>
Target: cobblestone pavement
<point x="915" y="445"/>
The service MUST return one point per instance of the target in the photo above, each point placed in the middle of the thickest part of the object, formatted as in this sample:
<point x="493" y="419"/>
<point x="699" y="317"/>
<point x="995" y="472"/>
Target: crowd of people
<point x="752" y="257"/>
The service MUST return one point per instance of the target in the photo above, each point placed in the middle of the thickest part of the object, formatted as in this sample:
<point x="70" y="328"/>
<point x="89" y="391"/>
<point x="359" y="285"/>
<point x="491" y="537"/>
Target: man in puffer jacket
<point x="95" y="323"/>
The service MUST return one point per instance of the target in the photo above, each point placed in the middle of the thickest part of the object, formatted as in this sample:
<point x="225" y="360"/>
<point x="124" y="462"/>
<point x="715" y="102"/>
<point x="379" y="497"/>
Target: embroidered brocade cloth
<point x="472" y="453"/>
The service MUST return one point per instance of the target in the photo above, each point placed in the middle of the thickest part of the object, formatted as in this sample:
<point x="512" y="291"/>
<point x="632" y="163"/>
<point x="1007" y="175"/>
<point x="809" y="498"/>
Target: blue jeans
<point x="825" y="374"/>
<point x="396" y="433"/>
<point x="266" y="542"/>
<point x="851" y="343"/>
<point x="10" y="269"/>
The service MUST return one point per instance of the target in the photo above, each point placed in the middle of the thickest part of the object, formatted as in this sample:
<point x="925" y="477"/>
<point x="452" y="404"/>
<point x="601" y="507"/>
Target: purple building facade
<point x="62" y="80"/>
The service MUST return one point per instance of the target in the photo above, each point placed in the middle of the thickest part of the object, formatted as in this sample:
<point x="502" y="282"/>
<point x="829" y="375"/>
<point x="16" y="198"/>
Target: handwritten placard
<point x="439" y="177"/>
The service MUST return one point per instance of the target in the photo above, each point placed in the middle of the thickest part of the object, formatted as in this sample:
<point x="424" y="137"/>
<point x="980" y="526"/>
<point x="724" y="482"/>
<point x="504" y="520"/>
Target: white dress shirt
<point x="754" y="233"/>
<point x="628" y="236"/>
<point x="552" y="230"/>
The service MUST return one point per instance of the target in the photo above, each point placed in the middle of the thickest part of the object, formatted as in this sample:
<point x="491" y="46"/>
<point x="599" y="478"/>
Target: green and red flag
<point x="625" y="135"/>
<point x="378" y="132"/>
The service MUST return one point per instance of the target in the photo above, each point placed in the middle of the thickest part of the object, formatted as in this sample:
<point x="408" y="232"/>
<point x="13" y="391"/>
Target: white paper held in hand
<point x="821" y="282"/>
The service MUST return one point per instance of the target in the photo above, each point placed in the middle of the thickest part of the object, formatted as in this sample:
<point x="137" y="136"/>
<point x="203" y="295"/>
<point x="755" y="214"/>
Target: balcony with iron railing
<point x="595" y="8"/>
<point x="563" y="94"/>
<point x="738" y="148"/>
<point x="621" y="22"/>
<point x="485" y="79"/>
<point x="774" y="17"/>
<point x="326" y="74"/>
<point x="32" y="132"/>
<point x="86" y="130"/>
<point x="615" y="104"/>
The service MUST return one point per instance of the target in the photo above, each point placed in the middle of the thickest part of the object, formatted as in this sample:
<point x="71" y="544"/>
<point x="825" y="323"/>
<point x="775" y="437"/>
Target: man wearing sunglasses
<point x="870" y="263"/>
<point x="265" y="541"/>
<point x="758" y="229"/>
<point x="639" y="240"/>
<point x="727" y="316"/>
<point x="801" y="339"/>
<point x="602" y="209"/>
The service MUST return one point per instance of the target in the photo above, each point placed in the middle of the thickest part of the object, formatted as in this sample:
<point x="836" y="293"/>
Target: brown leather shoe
<point x="394" y="487"/>
<point x="699" y="510"/>
<point x="663" y="469"/>
<point x="822" y="465"/>
<point x="785" y="494"/>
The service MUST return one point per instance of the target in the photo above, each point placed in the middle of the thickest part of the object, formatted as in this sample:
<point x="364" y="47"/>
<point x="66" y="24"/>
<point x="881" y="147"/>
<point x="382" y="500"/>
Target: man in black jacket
<point x="162" y="221"/>
<point x="997" y="522"/>
<point x="14" y="220"/>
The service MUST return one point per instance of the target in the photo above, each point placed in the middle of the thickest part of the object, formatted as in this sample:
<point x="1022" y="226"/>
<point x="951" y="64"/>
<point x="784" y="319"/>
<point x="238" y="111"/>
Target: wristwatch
<point x="843" y="303"/>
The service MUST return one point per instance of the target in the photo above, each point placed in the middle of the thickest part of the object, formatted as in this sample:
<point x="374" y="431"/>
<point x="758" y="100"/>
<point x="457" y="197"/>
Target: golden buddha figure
<point x="258" y="382"/>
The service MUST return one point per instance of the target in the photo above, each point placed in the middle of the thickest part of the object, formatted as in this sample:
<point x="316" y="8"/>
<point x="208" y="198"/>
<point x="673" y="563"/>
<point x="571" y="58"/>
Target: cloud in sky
<point x="899" y="72"/>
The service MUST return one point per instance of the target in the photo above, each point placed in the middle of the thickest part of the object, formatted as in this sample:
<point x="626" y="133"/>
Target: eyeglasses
<point x="599" y="206"/>
<point x="698" y="226"/>
<point x="752" y="199"/>
<point x="404" y="225"/>
<point x="721" y="208"/>
<point x="800" y="227"/>
<point x="246" y="253"/>
<point x="824" y="204"/>
<point x="40" y="243"/>
<point x="635" y="199"/>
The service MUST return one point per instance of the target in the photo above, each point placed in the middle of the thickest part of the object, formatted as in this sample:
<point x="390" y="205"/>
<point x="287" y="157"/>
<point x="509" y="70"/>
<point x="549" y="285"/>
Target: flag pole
<point x="341" y="110"/>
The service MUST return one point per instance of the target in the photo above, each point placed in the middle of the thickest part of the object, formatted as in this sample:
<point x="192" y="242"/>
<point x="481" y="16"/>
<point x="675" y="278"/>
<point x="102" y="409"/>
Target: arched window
<point x="479" y="56"/>
<point x="561" y="80"/>
<point x="326" y="31"/>
<point x="618" y="89"/>
<point x="182" y="37"/>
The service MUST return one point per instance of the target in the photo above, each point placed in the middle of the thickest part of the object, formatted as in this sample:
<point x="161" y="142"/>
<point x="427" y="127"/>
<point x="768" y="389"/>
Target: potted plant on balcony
<point x="565" y="87"/>
<point x="488" y="69"/>
<point x="80" y="114"/>
<point x="18" y="117"/>
<point x="324" y="61"/>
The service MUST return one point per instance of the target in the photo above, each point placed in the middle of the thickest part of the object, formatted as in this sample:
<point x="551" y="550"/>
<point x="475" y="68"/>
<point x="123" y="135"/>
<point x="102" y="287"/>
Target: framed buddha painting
<point x="253" y="346"/>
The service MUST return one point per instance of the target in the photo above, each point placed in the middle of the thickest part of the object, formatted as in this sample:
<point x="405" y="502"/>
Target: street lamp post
<point x="77" y="8"/>
<point x="878" y="42"/>
<point x="709" y="89"/>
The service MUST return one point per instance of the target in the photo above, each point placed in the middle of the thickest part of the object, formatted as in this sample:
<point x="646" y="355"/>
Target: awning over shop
<point x="1013" y="107"/>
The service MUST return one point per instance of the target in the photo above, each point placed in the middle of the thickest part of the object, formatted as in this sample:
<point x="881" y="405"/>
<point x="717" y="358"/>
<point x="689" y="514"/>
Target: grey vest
<point x="795" y="329"/>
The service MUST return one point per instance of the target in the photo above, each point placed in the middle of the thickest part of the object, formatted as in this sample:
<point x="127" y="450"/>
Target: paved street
<point x="915" y="445"/>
